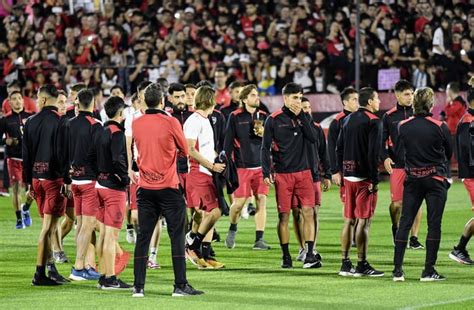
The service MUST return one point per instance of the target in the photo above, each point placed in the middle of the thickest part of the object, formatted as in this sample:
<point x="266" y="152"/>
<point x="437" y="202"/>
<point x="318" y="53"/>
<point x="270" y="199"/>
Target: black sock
<point x="361" y="263"/>
<point x="285" y="249"/>
<point x="197" y="241"/>
<point x="309" y="247"/>
<point x="129" y="226"/>
<point x="345" y="254"/>
<point x="394" y="230"/>
<point x="41" y="271"/>
<point x="233" y="227"/>
<point x="258" y="235"/>
<point x="18" y="215"/>
<point x="206" y="250"/>
<point x="463" y="243"/>
<point x="26" y="206"/>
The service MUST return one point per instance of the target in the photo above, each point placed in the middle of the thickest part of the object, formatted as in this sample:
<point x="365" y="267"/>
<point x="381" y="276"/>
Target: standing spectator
<point x="171" y="68"/>
<point x="300" y="66"/>
<point x="455" y="107"/>
<point x="138" y="74"/>
<point x="222" y="93"/>
<point x="426" y="17"/>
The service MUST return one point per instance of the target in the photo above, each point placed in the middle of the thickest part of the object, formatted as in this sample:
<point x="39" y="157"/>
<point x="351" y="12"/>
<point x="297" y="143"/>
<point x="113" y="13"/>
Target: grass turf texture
<point x="254" y="279"/>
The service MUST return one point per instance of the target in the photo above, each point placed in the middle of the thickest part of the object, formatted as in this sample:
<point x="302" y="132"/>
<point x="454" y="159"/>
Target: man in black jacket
<point x="235" y="88"/>
<point x="287" y="135"/>
<point x="425" y="143"/>
<point x="465" y="157"/>
<point x="109" y="154"/>
<point x="45" y="171"/>
<point x="358" y="149"/>
<point x="11" y="125"/>
<point x="393" y="164"/>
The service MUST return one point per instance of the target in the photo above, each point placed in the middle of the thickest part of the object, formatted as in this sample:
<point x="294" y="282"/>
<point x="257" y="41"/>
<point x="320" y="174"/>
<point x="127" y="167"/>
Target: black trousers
<point x="151" y="204"/>
<point x="415" y="191"/>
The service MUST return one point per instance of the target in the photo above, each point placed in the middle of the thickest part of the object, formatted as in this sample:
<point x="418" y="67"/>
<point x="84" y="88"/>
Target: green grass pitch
<point x="254" y="279"/>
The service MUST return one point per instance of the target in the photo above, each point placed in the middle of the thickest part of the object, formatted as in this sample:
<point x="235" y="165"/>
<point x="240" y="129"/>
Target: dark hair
<point x="175" y="87"/>
<point x="15" y="92"/>
<point x="163" y="83"/>
<point x="62" y="92"/>
<point x="14" y="83"/>
<point x="346" y="92"/>
<point x="236" y="84"/>
<point x="116" y="86"/>
<point x="365" y="94"/>
<point x="85" y="97"/>
<point x="244" y="93"/>
<point x="454" y="87"/>
<point x="190" y="86"/>
<point x="143" y="85"/>
<point x="153" y="95"/>
<point x="96" y="91"/>
<point x="78" y="87"/>
<point x="402" y="85"/>
<point x="220" y="69"/>
<point x="292" y="88"/>
<point x="49" y="90"/>
<point x="470" y="95"/>
<point x="423" y="101"/>
<point x="204" y="83"/>
<point x="134" y="97"/>
<point x="305" y="99"/>
<point x="113" y="105"/>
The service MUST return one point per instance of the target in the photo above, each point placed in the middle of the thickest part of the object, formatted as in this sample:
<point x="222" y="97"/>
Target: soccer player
<point x="45" y="171"/>
<point x="243" y="142"/>
<point x="465" y="157"/>
<point x="235" y="88"/>
<point x="425" y="143"/>
<point x="72" y="109"/>
<point x="81" y="131"/>
<point x="190" y="91"/>
<point x="287" y="135"/>
<point x="28" y="103"/>
<point x="158" y="193"/>
<point x="12" y="126"/>
<point x="201" y="192"/>
<point x="393" y="164"/>
<point x="319" y="162"/>
<point x="358" y="149"/>
<point x="110" y="157"/>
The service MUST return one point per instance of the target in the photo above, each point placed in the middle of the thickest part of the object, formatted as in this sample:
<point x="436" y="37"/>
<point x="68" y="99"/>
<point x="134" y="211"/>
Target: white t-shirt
<point x="438" y="39"/>
<point x="129" y="120"/>
<point x="198" y="127"/>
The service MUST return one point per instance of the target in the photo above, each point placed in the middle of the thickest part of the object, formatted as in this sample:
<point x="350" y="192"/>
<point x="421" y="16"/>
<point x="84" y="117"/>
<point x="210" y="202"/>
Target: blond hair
<point x="423" y="101"/>
<point x="204" y="98"/>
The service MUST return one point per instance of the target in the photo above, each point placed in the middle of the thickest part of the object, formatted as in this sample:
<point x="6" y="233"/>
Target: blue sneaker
<point x="26" y="218"/>
<point x="80" y="275"/>
<point x="93" y="274"/>
<point x="19" y="224"/>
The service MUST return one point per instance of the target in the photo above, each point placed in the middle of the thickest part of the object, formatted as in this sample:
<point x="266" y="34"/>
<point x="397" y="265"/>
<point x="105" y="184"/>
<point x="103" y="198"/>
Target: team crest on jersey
<point x="214" y="120"/>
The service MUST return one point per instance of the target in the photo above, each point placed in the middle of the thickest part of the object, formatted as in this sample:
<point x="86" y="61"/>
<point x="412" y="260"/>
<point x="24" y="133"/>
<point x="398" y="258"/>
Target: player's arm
<point x="119" y="157"/>
<point x="307" y="128"/>
<point x="229" y="136"/>
<point x="375" y="140"/>
<point x="26" y="156"/>
<point x="387" y="161"/>
<point x="337" y="173"/>
<point x="265" y="151"/>
<point x="179" y="139"/>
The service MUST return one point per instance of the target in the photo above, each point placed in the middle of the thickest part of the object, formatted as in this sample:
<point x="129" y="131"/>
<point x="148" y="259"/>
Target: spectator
<point x="222" y="93"/>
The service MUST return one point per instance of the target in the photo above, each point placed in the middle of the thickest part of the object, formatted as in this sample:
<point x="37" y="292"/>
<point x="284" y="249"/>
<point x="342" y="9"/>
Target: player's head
<point x="369" y="99"/>
<point x="86" y="100"/>
<point x="117" y="90"/>
<point x="423" y="101"/>
<point x="452" y="90"/>
<point x="305" y="105"/>
<point x="204" y="99"/>
<point x="141" y="89"/>
<point x="75" y="89"/>
<point x="47" y="96"/>
<point x="350" y="99"/>
<point x="470" y="97"/>
<point x="61" y="102"/>
<point x="190" y="91"/>
<point x="16" y="100"/>
<point x="404" y="93"/>
<point x="114" y="108"/>
<point x="154" y="97"/>
<point x="292" y="94"/>
<point x="177" y="96"/>
<point x="235" y="88"/>
<point x="249" y="96"/>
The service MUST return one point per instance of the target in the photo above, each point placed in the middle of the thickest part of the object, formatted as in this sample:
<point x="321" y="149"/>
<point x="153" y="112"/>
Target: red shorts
<point x="48" y="197"/>
<point x="201" y="191"/>
<point x="15" y="170"/>
<point x="86" y="200"/>
<point x="342" y="193"/>
<point x="469" y="184"/>
<point x="182" y="179"/>
<point x="133" y="196"/>
<point x="360" y="203"/>
<point x="250" y="182"/>
<point x="295" y="186"/>
<point x="317" y="195"/>
<point x="112" y="207"/>
<point x="396" y="184"/>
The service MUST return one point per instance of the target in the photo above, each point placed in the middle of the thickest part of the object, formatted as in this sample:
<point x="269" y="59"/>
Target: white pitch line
<point x="455" y="301"/>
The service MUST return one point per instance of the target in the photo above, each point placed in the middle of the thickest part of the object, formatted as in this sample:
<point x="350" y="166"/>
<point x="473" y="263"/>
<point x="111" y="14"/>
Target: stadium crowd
<point x="269" y="43"/>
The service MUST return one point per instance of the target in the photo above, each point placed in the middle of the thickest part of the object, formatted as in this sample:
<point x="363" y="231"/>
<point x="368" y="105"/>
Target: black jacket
<point x="227" y="110"/>
<point x="218" y="127"/>
<point x="333" y="134"/>
<point x="182" y="116"/>
<point x="465" y="145"/>
<point x="359" y="144"/>
<point x="44" y="146"/>
<point x="228" y="178"/>
<point x="81" y="131"/>
<point x="109" y="151"/>
<point x="318" y="156"/>
<point x="71" y="113"/>
<point x="285" y="141"/>
<point x="390" y="121"/>
<point x="240" y="139"/>
<point x="12" y="126"/>
<point x="425" y="144"/>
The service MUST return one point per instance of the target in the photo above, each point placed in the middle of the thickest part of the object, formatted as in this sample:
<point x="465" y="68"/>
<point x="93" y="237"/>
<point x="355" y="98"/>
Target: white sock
<point x="152" y="251"/>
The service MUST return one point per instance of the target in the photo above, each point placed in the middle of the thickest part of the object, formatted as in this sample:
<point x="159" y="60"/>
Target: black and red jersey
<point x="109" y="151"/>
<point x="333" y="134"/>
<point x="182" y="116"/>
<point x="71" y="113"/>
<point x="359" y="144"/>
<point x="464" y="145"/>
<point x="240" y="139"/>
<point x="318" y="156"/>
<point x="425" y="145"/>
<point x="12" y="125"/>
<point x="44" y="148"/>
<point x="286" y="138"/>
<point x="228" y="109"/>
<point x="81" y="131"/>
<point x="390" y="122"/>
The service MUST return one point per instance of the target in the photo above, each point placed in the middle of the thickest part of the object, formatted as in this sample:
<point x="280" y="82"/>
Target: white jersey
<point x="128" y="130"/>
<point x="198" y="127"/>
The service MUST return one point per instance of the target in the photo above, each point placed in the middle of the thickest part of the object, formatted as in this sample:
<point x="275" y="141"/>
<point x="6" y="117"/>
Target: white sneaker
<point x="245" y="213"/>
<point x="301" y="255"/>
<point x="131" y="236"/>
